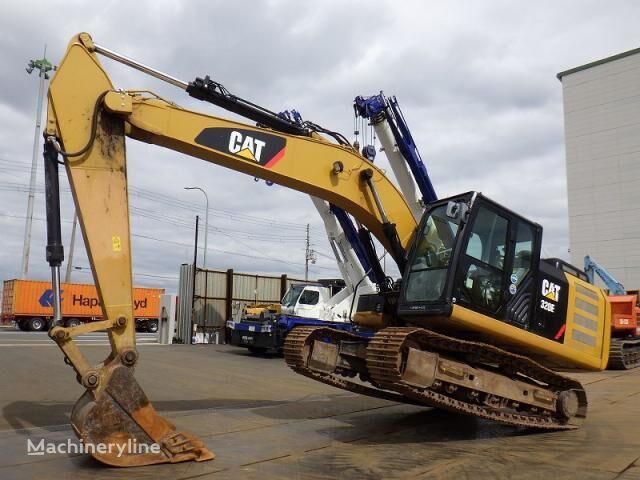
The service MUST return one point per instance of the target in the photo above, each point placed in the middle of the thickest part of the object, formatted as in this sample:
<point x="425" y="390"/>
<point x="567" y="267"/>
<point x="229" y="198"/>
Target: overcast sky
<point x="476" y="81"/>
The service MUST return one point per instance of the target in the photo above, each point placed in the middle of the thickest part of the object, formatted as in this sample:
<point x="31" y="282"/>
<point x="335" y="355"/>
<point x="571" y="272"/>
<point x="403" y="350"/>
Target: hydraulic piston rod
<point x="55" y="249"/>
<point x="388" y="228"/>
<point x="139" y="66"/>
<point x="213" y="92"/>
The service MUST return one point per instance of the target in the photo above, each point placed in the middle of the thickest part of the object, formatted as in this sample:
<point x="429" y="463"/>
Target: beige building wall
<point x="602" y="132"/>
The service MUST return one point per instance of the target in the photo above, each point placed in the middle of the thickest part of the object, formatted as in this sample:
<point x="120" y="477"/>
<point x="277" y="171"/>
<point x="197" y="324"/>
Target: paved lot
<point x="265" y="422"/>
<point x="13" y="337"/>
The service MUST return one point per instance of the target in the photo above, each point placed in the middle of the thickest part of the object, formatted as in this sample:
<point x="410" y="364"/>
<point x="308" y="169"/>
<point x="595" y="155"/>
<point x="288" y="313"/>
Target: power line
<point x="167" y="200"/>
<point x="173" y="242"/>
<point x="150" y="275"/>
<point x="182" y="222"/>
<point x="178" y="221"/>
<point x="151" y="195"/>
<point x="279" y="260"/>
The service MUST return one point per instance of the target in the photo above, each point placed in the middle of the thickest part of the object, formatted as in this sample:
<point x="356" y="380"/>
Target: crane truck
<point x="476" y="325"/>
<point x="265" y="328"/>
<point x="328" y="302"/>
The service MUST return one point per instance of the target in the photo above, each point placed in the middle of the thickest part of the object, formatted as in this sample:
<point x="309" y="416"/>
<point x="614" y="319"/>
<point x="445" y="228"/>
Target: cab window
<point x="309" y="297"/>
<point x="488" y="238"/>
<point x="522" y="255"/>
<point x="485" y="253"/>
<point x="291" y="297"/>
<point x="432" y="256"/>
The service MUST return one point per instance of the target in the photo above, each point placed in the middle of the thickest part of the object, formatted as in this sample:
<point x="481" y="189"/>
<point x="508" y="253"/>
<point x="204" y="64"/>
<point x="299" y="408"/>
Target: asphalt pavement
<point x="265" y="422"/>
<point x="13" y="337"/>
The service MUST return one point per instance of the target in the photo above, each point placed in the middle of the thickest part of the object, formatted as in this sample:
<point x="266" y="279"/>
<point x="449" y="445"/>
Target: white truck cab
<point x="310" y="300"/>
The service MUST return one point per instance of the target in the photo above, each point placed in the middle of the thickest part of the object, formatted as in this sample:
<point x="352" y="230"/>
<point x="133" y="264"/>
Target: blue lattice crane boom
<point x="358" y="257"/>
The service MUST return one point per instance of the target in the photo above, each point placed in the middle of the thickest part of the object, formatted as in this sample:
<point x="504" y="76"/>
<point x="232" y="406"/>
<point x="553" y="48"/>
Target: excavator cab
<point x="472" y="252"/>
<point x="475" y="270"/>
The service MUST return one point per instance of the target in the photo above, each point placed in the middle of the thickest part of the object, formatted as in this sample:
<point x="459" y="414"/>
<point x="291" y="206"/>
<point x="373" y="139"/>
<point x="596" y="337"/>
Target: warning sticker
<point x="117" y="243"/>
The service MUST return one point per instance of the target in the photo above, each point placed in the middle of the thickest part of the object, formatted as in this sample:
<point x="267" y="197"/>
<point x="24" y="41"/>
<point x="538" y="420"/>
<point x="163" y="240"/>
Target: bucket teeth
<point x="182" y="444"/>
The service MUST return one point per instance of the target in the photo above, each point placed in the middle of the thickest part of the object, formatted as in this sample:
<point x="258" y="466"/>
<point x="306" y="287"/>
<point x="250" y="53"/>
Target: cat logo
<point x="254" y="145"/>
<point x="550" y="290"/>
<point x="247" y="147"/>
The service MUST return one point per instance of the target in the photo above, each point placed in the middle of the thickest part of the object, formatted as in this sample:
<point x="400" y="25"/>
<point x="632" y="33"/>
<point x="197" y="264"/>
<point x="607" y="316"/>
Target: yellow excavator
<point x="476" y="325"/>
<point x="260" y="311"/>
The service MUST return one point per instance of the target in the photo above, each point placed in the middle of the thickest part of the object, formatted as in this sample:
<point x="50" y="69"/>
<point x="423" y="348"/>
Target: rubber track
<point x="383" y="358"/>
<point x="624" y="354"/>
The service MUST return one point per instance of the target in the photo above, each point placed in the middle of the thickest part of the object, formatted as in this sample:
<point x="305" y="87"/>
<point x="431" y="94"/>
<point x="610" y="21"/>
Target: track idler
<point x="119" y="427"/>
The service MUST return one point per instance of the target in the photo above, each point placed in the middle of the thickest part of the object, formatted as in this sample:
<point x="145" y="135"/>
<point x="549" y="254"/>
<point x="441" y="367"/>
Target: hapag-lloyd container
<point x="32" y="298"/>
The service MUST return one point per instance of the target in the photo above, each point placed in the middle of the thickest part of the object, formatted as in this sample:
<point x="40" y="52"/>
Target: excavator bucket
<point x="119" y="427"/>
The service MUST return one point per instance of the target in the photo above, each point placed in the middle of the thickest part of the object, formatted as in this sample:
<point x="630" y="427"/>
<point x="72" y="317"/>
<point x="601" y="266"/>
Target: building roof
<point x="598" y="62"/>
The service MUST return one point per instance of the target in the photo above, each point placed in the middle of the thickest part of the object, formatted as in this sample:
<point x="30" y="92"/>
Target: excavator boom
<point x="87" y="122"/>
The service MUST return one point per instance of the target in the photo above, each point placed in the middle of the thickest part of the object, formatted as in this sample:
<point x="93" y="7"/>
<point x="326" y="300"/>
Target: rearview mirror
<point x="457" y="210"/>
<point x="453" y="209"/>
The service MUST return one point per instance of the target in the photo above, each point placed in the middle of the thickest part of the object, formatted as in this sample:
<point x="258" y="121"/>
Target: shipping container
<point x="29" y="303"/>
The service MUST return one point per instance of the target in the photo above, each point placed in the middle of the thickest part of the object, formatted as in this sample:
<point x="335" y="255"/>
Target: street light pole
<point x="44" y="67"/>
<point x="206" y="224"/>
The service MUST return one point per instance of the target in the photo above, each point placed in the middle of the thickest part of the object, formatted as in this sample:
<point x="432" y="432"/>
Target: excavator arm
<point x="87" y="122"/>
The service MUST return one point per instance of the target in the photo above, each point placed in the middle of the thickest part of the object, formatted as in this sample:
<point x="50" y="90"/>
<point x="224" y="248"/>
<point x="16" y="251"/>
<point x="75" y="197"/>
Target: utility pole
<point x="44" y="67"/>
<point x="309" y="256"/>
<point x="67" y="277"/>
<point x="206" y="224"/>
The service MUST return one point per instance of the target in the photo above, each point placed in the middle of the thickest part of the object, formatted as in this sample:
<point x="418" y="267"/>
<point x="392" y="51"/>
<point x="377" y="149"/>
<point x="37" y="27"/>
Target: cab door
<point x="481" y="276"/>
<point x="495" y="274"/>
<point x="521" y="295"/>
<point x="307" y="305"/>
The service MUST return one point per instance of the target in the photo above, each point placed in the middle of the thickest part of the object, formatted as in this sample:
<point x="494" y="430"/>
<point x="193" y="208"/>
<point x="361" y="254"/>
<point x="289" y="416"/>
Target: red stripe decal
<point x="276" y="158"/>
<point x="560" y="332"/>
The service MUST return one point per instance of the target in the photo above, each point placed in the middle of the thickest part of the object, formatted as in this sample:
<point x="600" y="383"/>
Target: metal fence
<point x="219" y="296"/>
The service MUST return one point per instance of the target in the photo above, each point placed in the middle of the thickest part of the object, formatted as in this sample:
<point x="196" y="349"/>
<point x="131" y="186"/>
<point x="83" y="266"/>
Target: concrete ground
<point x="263" y="422"/>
